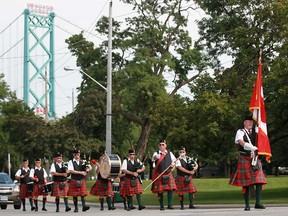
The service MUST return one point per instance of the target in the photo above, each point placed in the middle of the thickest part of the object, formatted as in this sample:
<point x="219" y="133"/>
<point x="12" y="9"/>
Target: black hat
<point x="58" y="154"/>
<point x="76" y="151"/>
<point x="248" y="117"/>
<point x="182" y="148"/>
<point x="131" y="151"/>
<point x="162" y="141"/>
<point x="38" y="159"/>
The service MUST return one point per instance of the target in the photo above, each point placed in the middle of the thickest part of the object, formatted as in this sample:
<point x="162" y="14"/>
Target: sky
<point x="71" y="17"/>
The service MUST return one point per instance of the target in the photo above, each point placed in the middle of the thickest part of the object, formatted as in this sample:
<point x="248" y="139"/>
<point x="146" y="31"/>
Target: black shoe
<point x="141" y="207"/>
<point x="162" y="208"/>
<point x="85" y="208"/>
<point x="192" y="206"/>
<point x="247" y="208"/>
<point x="36" y="209"/>
<point x="44" y="209"/>
<point x="101" y="209"/>
<point x="132" y="207"/>
<point x="24" y="209"/>
<point x="170" y="207"/>
<point x="67" y="209"/>
<point x="76" y="210"/>
<point x="182" y="208"/>
<point x="128" y="209"/>
<point x="33" y="208"/>
<point x="57" y="209"/>
<point x="259" y="206"/>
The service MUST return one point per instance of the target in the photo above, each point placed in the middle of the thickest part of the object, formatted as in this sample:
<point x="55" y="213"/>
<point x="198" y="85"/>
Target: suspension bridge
<point x="31" y="65"/>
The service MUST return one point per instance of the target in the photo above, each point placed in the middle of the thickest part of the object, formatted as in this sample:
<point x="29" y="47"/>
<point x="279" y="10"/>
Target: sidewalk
<point x="200" y="206"/>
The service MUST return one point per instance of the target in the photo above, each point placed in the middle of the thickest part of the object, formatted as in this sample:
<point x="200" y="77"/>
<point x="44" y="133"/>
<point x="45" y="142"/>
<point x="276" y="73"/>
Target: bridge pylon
<point x="39" y="62"/>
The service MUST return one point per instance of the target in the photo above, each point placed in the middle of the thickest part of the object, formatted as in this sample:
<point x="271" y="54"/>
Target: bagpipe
<point x="191" y="163"/>
<point x="137" y="166"/>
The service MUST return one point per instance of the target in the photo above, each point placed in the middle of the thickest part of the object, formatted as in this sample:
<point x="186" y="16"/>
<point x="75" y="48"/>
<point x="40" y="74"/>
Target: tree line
<point x="154" y="58"/>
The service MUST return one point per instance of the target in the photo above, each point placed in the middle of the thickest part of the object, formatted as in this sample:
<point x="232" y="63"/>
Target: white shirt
<point x="240" y="134"/>
<point x="159" y="153"/>
<point x="178" y="162"/>
<point x="70" y="164"/>
<point x="32" y="172"/>
<point x="124" y="164"/>
<point x="18" y="173"/>
<point x="53" y="168"/>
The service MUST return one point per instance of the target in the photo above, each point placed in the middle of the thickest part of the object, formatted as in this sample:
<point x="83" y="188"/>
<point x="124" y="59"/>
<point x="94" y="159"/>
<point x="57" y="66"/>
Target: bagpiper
<point x="59" y="171"/>
<point x="186" y="167"/>
<point x="77" y="186"/>
<point x="23" y="176"/>
<point x="132" y="184"/>
<point x="39" y="176"/>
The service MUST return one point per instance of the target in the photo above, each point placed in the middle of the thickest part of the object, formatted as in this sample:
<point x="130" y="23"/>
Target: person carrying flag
<point x="245" y="175"/>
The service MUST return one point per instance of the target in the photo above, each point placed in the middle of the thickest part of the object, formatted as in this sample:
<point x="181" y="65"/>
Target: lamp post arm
<point x="72" y="69"/>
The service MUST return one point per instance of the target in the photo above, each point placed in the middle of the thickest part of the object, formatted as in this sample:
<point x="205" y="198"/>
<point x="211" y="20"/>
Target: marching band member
<point x="103" y="188"/>
<point x="77" y="185"/>
<point x="131" y="184"/>
<point x="60" y="185"/>
<point x="245" y="175"/>
<point x="164" y="165"/>
<point x="23" y="176"/>
<point x="186" y="167"/>
<point x="38" y="175"/>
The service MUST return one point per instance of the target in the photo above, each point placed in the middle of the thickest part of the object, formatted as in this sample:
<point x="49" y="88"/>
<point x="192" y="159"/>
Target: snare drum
<point x="47" y="187"/>
<point x="110" y="166"/>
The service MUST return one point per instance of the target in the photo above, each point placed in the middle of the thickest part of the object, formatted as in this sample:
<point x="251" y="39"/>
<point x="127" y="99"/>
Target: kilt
<point x="243" y="175"/>
<point x="57" y="191"/>
<point x="24" y="193"/>
<point x="74" y="191"/>
<point x="159" y="187"/>
<point x="38" y="190"/>
<point x="102" y="189"/>
<point x="183" y="188"/>
<point x="127" y="190"/>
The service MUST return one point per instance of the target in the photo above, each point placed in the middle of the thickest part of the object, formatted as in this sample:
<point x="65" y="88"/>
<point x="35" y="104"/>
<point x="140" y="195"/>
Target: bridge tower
<point x="39" y="59"/>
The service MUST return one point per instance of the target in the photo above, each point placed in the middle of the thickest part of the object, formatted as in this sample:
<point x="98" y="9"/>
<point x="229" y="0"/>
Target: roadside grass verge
<point x="217" y="191"/>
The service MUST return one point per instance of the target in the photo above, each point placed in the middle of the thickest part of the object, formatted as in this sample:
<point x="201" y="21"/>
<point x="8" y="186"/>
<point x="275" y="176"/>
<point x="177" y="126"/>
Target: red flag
<point x="259" y="115"/>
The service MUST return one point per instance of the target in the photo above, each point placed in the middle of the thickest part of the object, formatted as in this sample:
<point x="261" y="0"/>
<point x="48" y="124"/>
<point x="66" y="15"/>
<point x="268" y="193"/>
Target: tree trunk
<point x="143" y="139"/>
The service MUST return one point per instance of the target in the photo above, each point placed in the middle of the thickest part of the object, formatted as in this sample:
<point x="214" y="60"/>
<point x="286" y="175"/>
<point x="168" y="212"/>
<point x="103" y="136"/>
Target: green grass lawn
<point x="218" y="191"/>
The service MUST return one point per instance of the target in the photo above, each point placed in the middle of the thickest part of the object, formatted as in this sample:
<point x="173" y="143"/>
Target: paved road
<point x="271" y="210"/>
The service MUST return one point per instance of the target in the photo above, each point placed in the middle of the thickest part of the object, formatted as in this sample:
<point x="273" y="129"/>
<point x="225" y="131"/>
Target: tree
<point x="151" y="47"/>
<point x="240" y="29"/>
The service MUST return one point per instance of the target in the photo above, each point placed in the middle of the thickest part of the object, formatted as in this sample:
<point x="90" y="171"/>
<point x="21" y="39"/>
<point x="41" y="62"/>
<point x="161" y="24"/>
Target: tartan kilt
<point x="74" y="191"/>
<point x="102" y="189"/>
<point x="57" y="191"/>
<point x="183" y="188"/>
<point x="243" y="175"/>
<point x="24" y="193"/>
<point x="159" y="187"/>
<point x="127" y="190"/>
<point x="38" y="190"/>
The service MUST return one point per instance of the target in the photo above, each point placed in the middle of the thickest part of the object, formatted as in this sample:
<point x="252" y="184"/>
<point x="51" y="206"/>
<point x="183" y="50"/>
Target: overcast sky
<point x="72" y="16"/>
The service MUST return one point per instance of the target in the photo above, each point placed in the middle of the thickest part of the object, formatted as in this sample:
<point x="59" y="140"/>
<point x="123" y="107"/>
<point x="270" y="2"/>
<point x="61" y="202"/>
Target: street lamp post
<point x="108" y="108"/>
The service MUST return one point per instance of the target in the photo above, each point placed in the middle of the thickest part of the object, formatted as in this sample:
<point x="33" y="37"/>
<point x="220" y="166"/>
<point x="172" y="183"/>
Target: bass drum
<point x="110" y="166"/>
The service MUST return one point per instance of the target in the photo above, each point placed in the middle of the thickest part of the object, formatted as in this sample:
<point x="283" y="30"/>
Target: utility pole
<point x="72" y="100"/>
<point x="109" y="86"/>
<point x="46" y="97"/>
